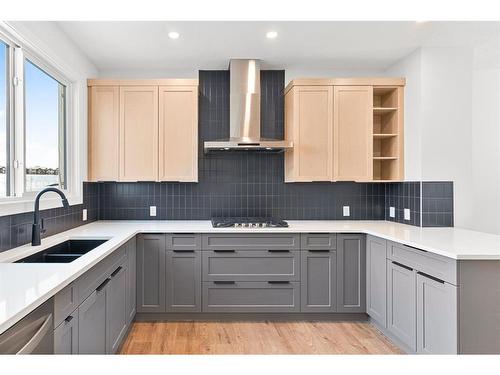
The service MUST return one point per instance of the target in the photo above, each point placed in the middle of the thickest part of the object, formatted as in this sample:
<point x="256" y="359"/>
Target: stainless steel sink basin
<point x="65" y="252"/>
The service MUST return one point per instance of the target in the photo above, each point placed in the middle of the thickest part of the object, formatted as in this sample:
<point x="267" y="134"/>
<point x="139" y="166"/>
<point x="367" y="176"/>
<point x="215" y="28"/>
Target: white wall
<point x="452" y="126"/>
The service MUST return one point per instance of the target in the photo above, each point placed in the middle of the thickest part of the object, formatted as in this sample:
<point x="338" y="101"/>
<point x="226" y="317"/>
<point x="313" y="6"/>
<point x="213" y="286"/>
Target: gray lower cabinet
<point x="151" y="273"/>
<point x="436" y="316"/>
<point x="376" y="279"/>
<point x="318" y="283"/>
<point x="183" y="281"/>
<point x="351" y="273"/>
<point x="251" y="296"/>
<point x="66" y="335"/>
<point x="401" y="304"/>
<point x="116" y="307"/>
<point x="92" y="323"/>
<point x="131" y="279"/>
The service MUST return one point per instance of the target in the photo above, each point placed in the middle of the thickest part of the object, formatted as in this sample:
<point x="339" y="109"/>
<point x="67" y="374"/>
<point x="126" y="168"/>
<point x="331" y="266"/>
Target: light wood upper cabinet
<point x="103" y="133"/>
<point x="344" y="129"/>
<point x="309" y="124"/>
<point x="352" y="133"/>
<point x="138" y="133"/>
<point x="178" y="132"/>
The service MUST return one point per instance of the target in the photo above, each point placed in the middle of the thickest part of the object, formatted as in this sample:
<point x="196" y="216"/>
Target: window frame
<point x="19" y="48"/>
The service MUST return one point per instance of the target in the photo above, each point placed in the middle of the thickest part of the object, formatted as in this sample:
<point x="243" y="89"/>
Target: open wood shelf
<point x="387" y="145"/>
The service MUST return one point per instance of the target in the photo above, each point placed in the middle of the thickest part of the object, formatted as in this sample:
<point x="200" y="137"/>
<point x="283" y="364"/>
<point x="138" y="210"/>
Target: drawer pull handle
<point x="224" y="251"/>
<point x="402" y="265"/>
<point x="183" y="251"/>
<point x="103" y="285"/>
<point x="430" y="277"/>
<point x="69" y="319"/>
<point x="278" y="282"/>
<point x="115" y="272"/>
<point x="416" y="248"/>
<point x="224" y="282"/>
<point x="278" y="251"/>
<point x="319" y="251"/>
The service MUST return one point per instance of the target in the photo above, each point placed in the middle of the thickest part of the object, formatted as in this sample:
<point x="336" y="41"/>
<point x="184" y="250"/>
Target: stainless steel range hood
<point x="244" y="112"/>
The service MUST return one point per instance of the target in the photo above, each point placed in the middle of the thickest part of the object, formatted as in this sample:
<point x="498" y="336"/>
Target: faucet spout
<point x="37" y="224"/>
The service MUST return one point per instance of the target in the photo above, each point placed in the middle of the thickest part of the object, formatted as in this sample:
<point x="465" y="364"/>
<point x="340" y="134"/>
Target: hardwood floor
<point x="295" y="337"/>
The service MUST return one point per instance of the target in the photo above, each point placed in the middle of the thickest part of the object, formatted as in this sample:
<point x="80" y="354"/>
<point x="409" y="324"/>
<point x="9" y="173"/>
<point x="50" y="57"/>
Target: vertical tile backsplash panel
<point x="437" y="204"/>
<point x="401" y="195"/>
<point x="15" y="230"/>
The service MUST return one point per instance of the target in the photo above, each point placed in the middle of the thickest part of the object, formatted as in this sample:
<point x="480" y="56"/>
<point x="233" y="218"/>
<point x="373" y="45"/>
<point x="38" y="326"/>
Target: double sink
<point x="65" y="252"/>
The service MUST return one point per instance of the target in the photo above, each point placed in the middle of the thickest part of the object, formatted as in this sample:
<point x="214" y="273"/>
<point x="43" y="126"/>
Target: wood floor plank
<point x="294" y="337"/>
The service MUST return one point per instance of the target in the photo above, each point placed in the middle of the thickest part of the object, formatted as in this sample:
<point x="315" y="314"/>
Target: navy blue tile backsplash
<point x="241" y="183"/>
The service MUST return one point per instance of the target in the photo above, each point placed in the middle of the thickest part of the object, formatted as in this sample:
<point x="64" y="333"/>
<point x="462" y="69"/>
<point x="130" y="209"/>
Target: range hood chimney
<point x="244" y="111"/>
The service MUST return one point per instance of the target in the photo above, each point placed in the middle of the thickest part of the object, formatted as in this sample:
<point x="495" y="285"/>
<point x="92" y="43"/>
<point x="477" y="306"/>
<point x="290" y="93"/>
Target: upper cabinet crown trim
<point x="143" y="82"/>
<point x="357" y="81"/>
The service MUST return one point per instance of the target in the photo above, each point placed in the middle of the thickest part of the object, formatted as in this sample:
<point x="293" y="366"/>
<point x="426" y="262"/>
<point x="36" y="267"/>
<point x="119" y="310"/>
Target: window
<point x="45" y="125"/>
<point x="33" y="123"/>
<point x="4" y="180"/>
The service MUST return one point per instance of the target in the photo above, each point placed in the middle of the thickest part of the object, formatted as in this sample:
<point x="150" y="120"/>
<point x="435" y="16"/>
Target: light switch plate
<point x="346" y="211"/>
<point x="392" y="212"/>
<point x="407" y="213"/>
<point x="84" y="214"/>
<point x="152" y="210"/>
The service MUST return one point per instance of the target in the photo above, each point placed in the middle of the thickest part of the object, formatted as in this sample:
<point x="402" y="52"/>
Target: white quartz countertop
<point x="25" y="286"/>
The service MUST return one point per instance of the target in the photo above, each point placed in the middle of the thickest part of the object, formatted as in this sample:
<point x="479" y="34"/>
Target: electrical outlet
<point x="84" y="214"/>
<point x="407" y="213"/>
<point x="346" y="211"/>
<point x="392" y="212"/>
<point x="152" y="210"/>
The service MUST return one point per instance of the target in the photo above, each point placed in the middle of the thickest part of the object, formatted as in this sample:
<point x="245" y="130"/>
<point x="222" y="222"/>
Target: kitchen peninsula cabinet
<point x="143" y="130"/>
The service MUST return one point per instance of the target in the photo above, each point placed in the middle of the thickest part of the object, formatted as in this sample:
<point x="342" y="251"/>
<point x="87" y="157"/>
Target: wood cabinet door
<point x="437" y="326"/>
<point x="92" y="324"/>
<point x="178" y="133"/>
<point x="103" y="138"/>
<point x="401" y="304"/>
<point x="138" y="133"/>
<point x="376" y="279"/>
<point x="351" y="273"/>
<point x="66" y="335"/>
<point x="183" y="281"/>
<point x="310" y="123"/>
<point x="353" y="133"/>
<point x="116" y="308"/>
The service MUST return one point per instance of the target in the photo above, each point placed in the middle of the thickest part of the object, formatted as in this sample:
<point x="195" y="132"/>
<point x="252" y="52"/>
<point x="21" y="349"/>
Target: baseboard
<point x="152" y="317"/>
<point x="391" y="337"/>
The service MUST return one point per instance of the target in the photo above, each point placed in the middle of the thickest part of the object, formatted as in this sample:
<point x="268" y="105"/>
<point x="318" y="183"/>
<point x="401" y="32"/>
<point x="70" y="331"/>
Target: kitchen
<point x="269" y="195"/>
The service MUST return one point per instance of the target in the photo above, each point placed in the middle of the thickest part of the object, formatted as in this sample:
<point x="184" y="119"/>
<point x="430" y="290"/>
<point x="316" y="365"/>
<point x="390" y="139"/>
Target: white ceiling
<point x="143" y="46"/>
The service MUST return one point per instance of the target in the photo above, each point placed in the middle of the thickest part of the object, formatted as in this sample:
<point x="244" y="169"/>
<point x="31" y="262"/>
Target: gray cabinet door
<point x="351" y="273"/>
<point x="92" y="323"/>
<point x="183" y="284"/>
<point x="436" y="316"/>
<point x="376" y="279"/>
<point x="66" y="335"/>
<point x="116" y="307"/>
<point x="151" y="273"/>
<point x="401" y="300"/>
<point x="131" y="279"/>
<point x="318" y="281"/>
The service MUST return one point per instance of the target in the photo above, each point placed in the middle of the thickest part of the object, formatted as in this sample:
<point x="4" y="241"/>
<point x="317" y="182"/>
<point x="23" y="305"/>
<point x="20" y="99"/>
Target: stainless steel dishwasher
<point x="33" y="334"/>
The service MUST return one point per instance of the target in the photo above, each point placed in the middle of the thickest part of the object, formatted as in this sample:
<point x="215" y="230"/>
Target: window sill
<point x="15" y="206"/>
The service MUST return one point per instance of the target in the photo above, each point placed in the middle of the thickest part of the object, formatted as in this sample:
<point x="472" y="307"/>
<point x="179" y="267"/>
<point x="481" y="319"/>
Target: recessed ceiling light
<point x="271" y="34"/>
<point x="174" y="35"/>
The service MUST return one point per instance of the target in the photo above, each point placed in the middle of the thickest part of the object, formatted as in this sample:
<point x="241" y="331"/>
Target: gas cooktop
<point x="248" y="222"/>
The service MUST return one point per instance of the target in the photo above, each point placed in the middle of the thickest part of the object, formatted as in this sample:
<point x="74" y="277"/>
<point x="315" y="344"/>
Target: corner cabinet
<point x="344" y="129"/>
<point x="143" y="130"/>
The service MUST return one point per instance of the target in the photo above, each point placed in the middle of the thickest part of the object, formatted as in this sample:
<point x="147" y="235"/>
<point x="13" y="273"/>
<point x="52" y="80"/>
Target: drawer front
<point x="183" y="241"/>
<point x="251" y="296"/>
<point x="251" y="241"/>
<point x="435" y="265"/>
<point x="318" y="241"/>
<point x="65" y="302"/>
<point x="251" y="265"/>
<point x="97" y="274"/>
